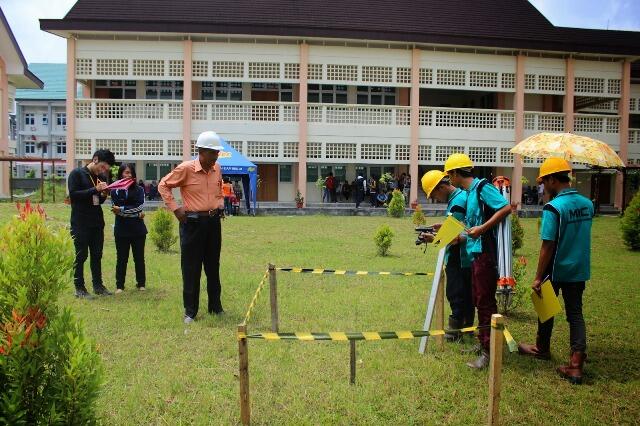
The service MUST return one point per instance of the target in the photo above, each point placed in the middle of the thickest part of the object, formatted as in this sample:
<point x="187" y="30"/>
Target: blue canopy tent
<point x="233" y="163"/>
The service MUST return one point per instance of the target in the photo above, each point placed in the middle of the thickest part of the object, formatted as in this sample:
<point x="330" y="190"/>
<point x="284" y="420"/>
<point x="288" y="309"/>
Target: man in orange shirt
<point x="227" y="191"/>
<point x="200" y="183"/>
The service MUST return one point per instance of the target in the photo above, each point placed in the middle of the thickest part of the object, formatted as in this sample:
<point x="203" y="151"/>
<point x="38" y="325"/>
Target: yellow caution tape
<point x="255" y="299"/>
<point x="345" y="272"/>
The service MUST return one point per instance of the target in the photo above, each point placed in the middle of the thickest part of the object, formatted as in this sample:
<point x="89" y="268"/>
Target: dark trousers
<point x="572" y="295"/>
<point x="359" y="198"/>
<point x="459" y="293"/>
<point x="88" y="241"/>
<point x="136" y="244"/>
<point x="484" y="281"/>
<point x="227" y="206"/>
<point x="200" y="242"/>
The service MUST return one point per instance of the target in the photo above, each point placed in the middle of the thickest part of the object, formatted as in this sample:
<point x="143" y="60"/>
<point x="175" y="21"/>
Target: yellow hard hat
<point x="430" y="180"/>
<point x="457" y="161"/>
<point x="553" y="165"/>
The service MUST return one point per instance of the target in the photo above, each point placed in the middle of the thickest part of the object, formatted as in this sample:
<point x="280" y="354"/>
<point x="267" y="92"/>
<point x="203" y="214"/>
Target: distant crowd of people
<point x="376" y="190"/>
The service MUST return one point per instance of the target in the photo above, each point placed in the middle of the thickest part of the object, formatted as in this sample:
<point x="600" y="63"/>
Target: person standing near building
<point x="486" y="207"/>
<point x="541" y="194"/>
<point x="435" y="183"/>
<point x="87" y="192"/>
<point x="129" y="230"/>
<point x="200" y="183"/>
<point x="330" y="183"/>
<point x="360" y="189"/>
<point x="565" y="258"/>
<point x="227" y="192"/>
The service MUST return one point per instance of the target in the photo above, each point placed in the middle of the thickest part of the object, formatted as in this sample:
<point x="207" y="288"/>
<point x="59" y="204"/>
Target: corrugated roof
<point x="54" y="77"/>
<point x="495" y="23"/>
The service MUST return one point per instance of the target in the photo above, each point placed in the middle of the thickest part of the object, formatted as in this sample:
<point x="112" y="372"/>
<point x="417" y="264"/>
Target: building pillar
<point x="569" y="95"/>
<point x="71" y="104"/>
<point x="186" y="101"/>
<point x="4" y="128"/>
<point x="415" y="125"/>
<point x="516" y="176"/>
<point x="302" y="121"/>
<point x="625" y="92"/>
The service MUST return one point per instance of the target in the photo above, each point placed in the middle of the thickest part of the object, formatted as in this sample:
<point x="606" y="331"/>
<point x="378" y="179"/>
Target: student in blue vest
<point x="435" y="184"/>
<point x="565" y="257"/>
<point x="486" y="208"/>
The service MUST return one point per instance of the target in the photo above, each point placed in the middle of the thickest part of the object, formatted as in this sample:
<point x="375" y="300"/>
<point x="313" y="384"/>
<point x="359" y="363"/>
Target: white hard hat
<point x="209" y="140"/>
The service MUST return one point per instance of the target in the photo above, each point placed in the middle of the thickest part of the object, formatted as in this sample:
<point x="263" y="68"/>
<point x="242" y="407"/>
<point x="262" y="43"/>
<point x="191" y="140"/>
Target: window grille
<point x="529" y="81"/>
<point x="403" y="75"/>
<point x="84" y="66"/>
<point x="175" y="111"/>
<point x="613" y="125"/>
<point x="443" y="152"/>
<point x="129" y="110"/>
<point x="481" y="154"/>
<point x="150" y="67"/>
<point x="588" y="124"/>
<point x="507" y="120"/>
<point x="553" y="83"/>
<point x="174" y="147"/>
<point x="425" y="117"/>
<point x="466" y="119"/>
<point x="424" y="153"/>
<point x="237" y="145"/>
<point x="315" y="72"/>
<point x="506" y="156"/>
<point x="589" y="85"/>
<point x="553" y="123"/>
<point x="227" y="69"/>
<point x="194" y="149"/>
<point x="112" y="67"/>
<point x="403" y="152"/>
<point x="259" y="149"/>
<point x="117" y="146"/>
<point x="342" y="72"/>
<point x="314" y="150"/>
<point x="633" y="104"/>
<point x="377" y="74"/>
<point x="483" y="79"/>
<point x="451" y="77"/>
<point x="83" y="147"/>
<point x="371" y="151"/>
<point x="290" y="150"/>
<point x="425" y="76"/>
<point x="613" y="86"/>
<point x="264" y="70"/>
<point x="292" y="71"/>
<point x="200" y="68"/>
<point x="176" y="68"/>
<point x="508" y="80"/>
<point x="83" y="109"/>
<point x="147" y="147"/>
<point x="199" y="111"/>
<point x="340" y="150"/>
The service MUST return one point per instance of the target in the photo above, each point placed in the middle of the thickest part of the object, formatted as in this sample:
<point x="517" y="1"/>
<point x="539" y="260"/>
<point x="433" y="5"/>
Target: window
<point x="327" y="94"/>
<point x="43" y="147"/>
<point x="361" y="171"/>
<point x="286" y="92"/>
<point x="61" y="147"/>
<point x="221" y="91"/>
<point x="45" y="120"/>
<point x="61" y="172"/>
<point x="29" y="119"/>
<point x="165" y="90"/>
<point x="340" y="172"/>
<point x="371" y="95"/>
<point x="312" y="173"/>
<point x="29" y="147"/>
<point x="285" y="172"/>
<point x="325" y="170"/>
<point x="61" y="119"/>
<point x="151" y="171"/>
<point x="115" y="89"/>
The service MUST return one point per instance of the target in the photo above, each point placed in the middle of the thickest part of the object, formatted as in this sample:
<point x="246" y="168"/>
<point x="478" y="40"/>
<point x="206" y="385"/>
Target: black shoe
<point x="102" y="291"/>
<point x="217" y="312"/>
<point x="82" y="293"/>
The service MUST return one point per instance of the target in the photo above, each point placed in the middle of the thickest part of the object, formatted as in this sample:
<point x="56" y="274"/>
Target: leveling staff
<point x="565" y="257"/>
<point x="435" y="184"/>
<point x="486" y="208"/>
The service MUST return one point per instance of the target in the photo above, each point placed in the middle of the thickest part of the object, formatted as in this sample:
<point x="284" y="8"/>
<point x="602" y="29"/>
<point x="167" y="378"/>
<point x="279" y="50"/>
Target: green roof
<point x="54" y="77"/>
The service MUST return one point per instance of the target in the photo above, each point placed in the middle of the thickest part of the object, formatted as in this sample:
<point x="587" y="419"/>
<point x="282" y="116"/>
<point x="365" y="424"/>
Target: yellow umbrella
<point x="571" y="147"/>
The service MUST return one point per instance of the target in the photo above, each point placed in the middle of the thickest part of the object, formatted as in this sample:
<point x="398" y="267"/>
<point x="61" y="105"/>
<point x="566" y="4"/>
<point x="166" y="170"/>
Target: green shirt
<point x="489" y="196"/>
<point x="456" y="206"/>
<point x="567" y="220"/>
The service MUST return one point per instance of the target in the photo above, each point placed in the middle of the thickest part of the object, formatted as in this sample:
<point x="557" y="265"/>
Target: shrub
<point x="396" y="205"/>
<point x="418" y="217"/>
<point x="383" y="238"/>
<point x="517" y="233"/>
<point x="162" y="233"/>
<point x="630" y="223"/>
<point x="50" y="373"/>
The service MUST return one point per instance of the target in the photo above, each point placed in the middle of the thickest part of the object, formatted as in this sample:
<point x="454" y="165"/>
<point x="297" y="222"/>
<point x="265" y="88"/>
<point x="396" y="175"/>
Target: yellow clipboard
<point x="450" y="229"/>
<point x="548" y="305"/>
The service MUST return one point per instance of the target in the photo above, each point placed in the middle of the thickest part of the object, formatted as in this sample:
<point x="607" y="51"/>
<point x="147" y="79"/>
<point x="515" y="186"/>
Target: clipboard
<point x="449" y="230"/>
<point x="548" y="305"/>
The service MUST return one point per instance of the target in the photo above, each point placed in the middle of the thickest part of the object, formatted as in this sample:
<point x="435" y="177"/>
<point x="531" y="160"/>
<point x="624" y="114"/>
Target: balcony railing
<point x="634" y="136"/>
<point x="244" y="111"/>
<point x="467" y="118"/>
<point x="544" y="121"/>
<point x="129" y="109"/>
<point x="592" y="123"/>
<point x="381" y="115"/>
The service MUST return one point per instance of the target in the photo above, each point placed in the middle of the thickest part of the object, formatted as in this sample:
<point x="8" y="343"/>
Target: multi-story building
<point x="41" y="120"/>
<point x="303" y="88"/>
<point x="14" y="73"/>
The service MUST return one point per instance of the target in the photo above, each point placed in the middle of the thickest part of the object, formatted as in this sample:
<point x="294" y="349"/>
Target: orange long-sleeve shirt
<point x="201" y="190"/>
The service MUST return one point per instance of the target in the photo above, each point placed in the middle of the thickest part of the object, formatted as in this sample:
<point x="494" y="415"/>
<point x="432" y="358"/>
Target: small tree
<point x="396" y="205"/>
<point x="50" y="373"/>
<point x="162" y="233"/>
<point x="517" y="233"/>
<point x="383" y="238"/>
<point x="630" y="223"/>
<point x="418" y="217"/>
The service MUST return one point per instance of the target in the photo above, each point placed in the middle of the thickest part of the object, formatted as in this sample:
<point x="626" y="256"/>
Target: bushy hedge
<point x="162" y="232"/>
<point x="630" y="223"/>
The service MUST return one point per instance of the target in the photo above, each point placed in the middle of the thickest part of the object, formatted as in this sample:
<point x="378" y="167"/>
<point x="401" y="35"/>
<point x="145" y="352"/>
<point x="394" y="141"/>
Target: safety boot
<point x="453" y="336"/>
<point x="573" y="371"/>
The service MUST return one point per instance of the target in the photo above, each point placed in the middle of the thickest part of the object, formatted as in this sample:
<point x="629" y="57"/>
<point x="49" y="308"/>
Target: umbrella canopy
<point x="571" y="147"/>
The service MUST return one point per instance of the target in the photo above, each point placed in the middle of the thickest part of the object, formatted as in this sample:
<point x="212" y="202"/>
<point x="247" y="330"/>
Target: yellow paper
<point x="450" y="229"/>
<point x="548" y="305"/>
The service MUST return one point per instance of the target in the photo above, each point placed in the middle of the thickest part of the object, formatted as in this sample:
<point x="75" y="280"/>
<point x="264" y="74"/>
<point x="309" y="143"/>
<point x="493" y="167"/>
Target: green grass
<point x="160" y="372"/>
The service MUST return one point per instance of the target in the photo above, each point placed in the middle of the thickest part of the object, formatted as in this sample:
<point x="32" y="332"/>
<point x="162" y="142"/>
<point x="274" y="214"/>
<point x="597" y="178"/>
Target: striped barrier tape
<point x="345" y="272"/>
<point x="255" y="298"/>
<point x="369" y="335"/>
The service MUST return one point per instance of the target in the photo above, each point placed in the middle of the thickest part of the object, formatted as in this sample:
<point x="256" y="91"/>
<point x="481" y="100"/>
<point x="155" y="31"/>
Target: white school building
<point x="351" y="87"/>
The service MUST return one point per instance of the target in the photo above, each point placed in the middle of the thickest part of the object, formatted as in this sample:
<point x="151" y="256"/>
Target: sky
<point x="38" y="46"/>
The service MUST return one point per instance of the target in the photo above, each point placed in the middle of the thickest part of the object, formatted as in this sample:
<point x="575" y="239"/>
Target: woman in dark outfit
<point x="129" y="229"/>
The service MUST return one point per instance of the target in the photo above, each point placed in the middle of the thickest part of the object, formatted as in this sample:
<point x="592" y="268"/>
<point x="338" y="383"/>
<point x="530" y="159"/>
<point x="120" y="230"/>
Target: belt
<point x="208" y="213"/>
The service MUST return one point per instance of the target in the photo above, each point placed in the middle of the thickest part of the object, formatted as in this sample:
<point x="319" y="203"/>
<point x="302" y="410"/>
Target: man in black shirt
<point x="87" y="193"/>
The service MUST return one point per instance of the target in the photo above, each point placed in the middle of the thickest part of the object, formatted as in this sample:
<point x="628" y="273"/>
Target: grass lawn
<point x="159" y="371"/>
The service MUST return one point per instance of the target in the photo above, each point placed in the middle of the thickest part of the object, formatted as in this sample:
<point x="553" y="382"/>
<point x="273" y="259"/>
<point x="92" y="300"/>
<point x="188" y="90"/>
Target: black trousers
<point x="200" y="242"/>
<point x="459" y="293"/>
<point x="136" y="244"/>
<point x="88" y="241"/>
<point x="572" y="295"/>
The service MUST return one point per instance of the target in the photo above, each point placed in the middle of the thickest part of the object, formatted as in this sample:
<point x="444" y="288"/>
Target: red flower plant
<point x="29" y="209"/>
<point x="22" y="324"/>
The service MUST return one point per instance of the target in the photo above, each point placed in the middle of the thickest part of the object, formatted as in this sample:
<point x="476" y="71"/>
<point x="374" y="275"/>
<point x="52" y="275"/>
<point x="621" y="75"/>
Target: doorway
<point x="268" y="189"/>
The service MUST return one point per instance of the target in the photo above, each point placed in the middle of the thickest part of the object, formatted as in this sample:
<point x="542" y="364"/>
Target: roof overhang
<point x="17" y="70"/>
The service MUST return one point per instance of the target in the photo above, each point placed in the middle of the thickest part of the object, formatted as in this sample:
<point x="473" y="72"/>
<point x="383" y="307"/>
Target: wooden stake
<point x="243" y="355"/>
<point x="495" y="368"/>
<point x="440" y="311"/>
<point x="352" y="345"/>
<point x="273" y="291"/>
